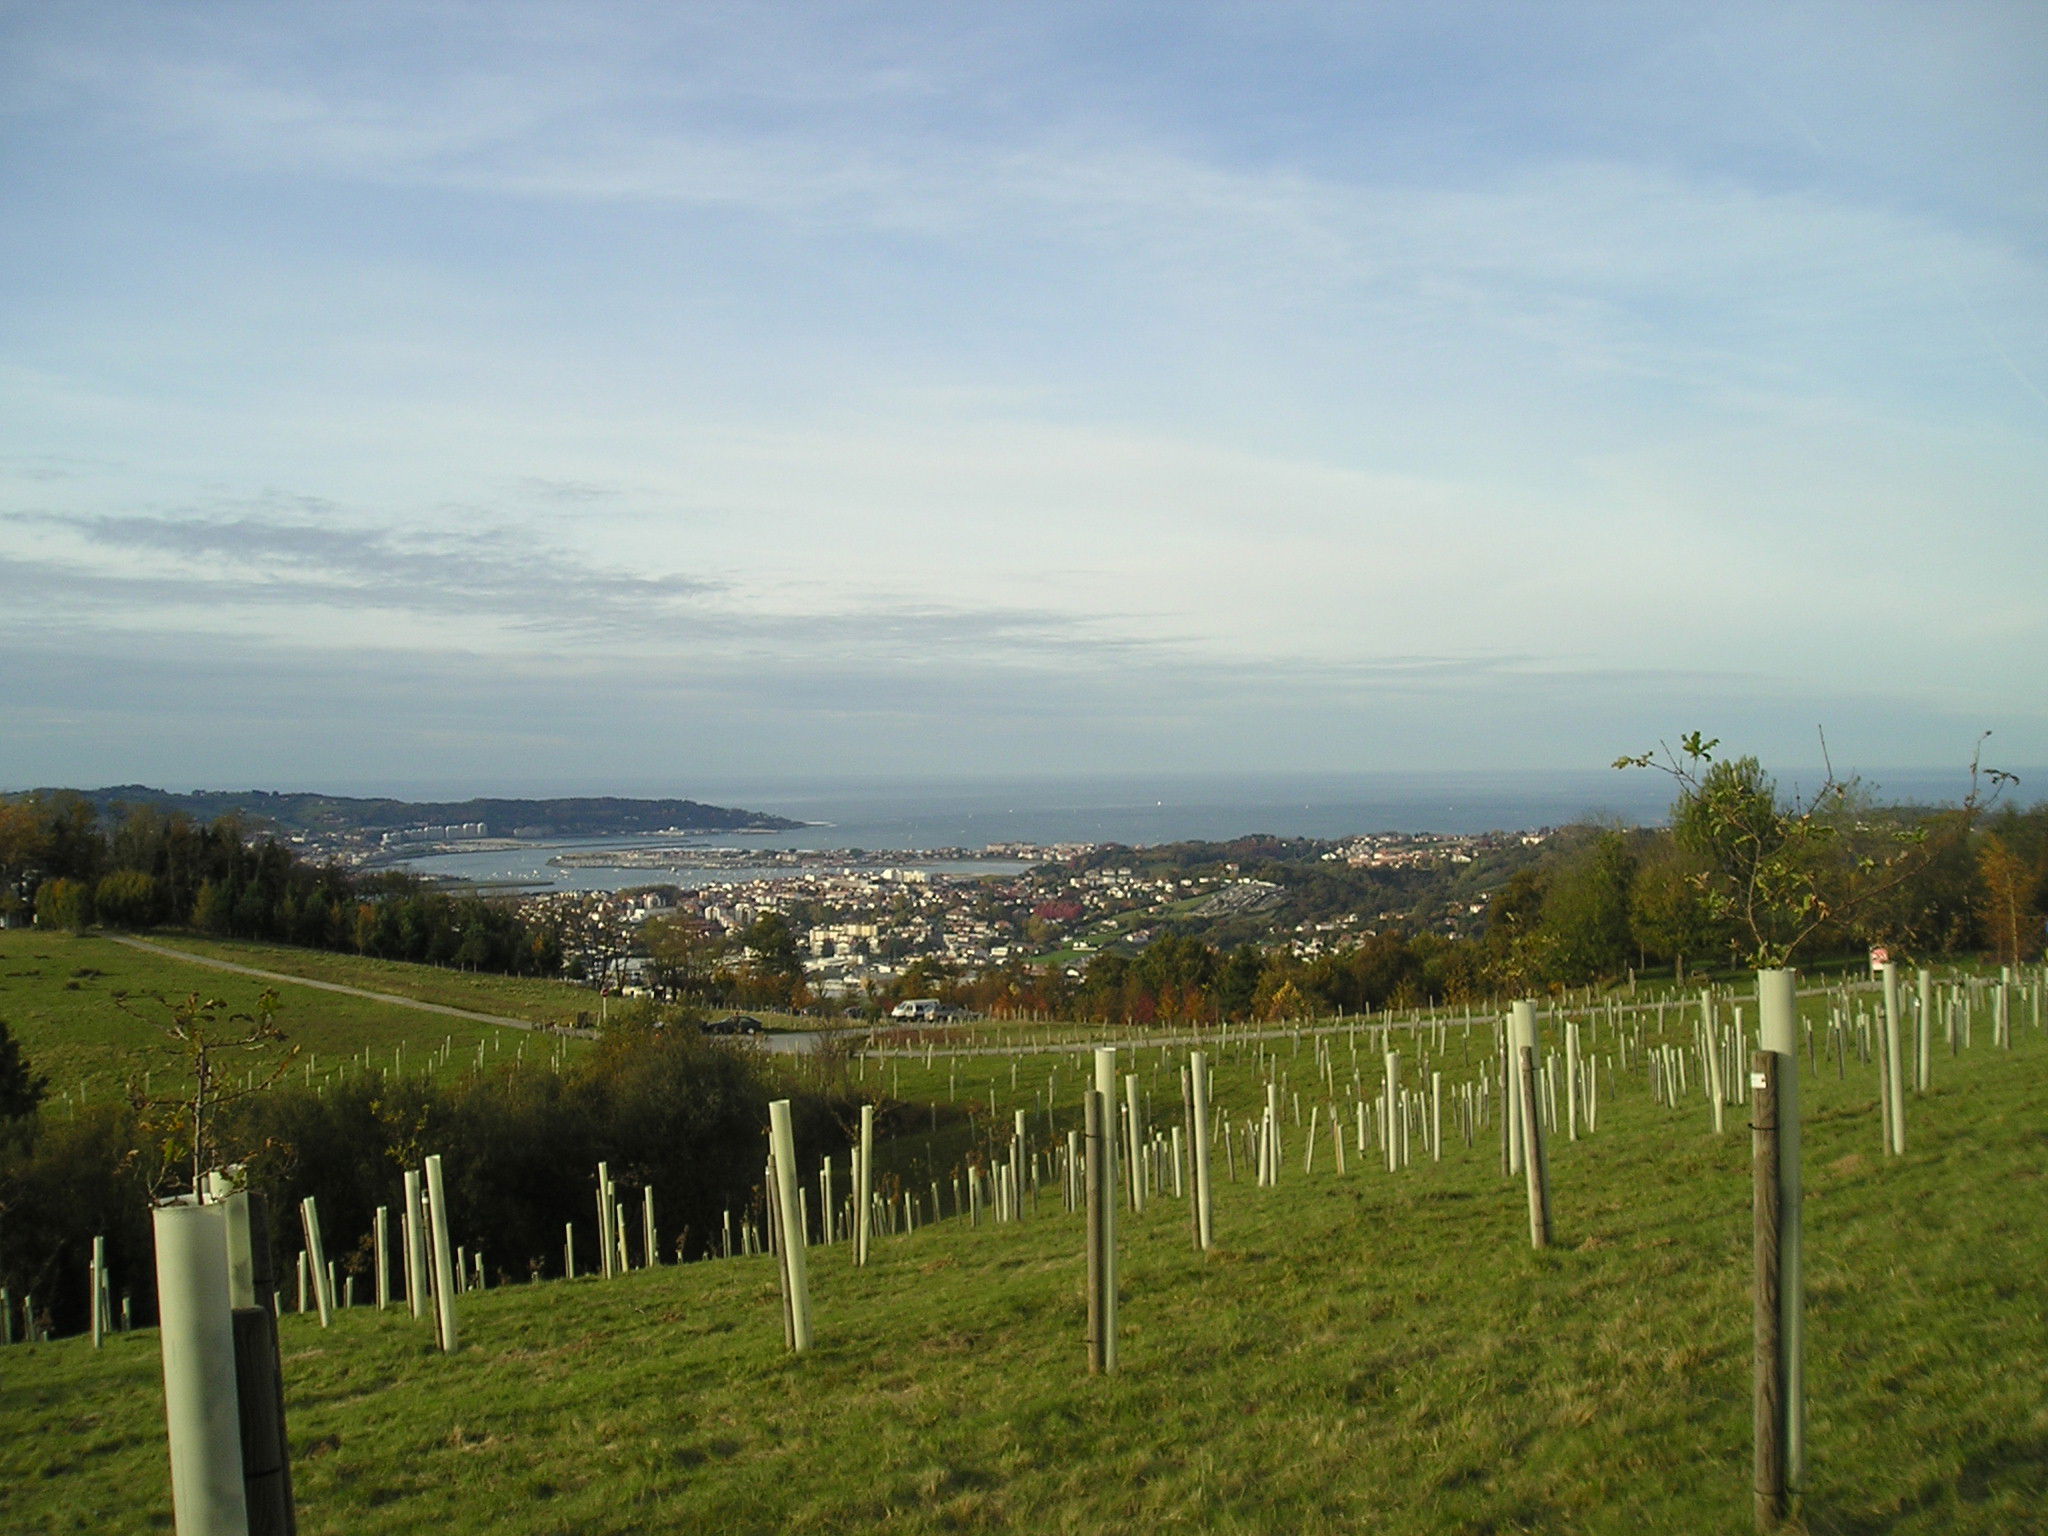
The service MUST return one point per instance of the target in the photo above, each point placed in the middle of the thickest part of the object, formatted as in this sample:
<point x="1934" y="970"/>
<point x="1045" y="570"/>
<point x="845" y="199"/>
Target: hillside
<point x="328" y="815"/>
<point x="1363" y="1351"/>
<point x="58" y="996"/>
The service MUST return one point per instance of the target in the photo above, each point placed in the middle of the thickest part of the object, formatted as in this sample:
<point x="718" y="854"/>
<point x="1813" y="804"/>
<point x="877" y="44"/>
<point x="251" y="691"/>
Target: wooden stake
<point x="1778" y="1029"/>
<point x="1769" y="1364"/>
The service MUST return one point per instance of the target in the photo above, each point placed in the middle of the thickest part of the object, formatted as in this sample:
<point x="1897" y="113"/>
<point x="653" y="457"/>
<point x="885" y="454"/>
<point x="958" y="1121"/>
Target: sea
<point x="1137" y="811"/>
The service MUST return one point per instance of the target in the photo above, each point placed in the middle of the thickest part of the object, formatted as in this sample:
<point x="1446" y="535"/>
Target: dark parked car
<point x="735" y="1024"/>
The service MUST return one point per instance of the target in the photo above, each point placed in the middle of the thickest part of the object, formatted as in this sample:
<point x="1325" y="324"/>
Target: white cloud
<point x="857" y="347"/>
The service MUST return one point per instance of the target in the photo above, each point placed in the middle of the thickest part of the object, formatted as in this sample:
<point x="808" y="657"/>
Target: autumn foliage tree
<point x="2005" y="903"/>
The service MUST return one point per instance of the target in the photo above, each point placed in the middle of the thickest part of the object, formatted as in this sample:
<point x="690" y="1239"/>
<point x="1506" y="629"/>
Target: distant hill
<point x="596" y="816"/>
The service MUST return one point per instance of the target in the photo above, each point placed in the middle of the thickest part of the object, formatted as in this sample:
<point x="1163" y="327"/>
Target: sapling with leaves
<point x="179" y="1128"/>
<point x="1780" y="871"/>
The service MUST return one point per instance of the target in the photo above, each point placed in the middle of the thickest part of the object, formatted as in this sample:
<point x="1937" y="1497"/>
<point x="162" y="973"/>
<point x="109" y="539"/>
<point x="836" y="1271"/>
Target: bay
<point x="940" y="813"/>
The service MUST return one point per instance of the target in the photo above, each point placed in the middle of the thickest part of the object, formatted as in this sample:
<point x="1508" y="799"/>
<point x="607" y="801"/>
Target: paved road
<point x="334" y="986"/>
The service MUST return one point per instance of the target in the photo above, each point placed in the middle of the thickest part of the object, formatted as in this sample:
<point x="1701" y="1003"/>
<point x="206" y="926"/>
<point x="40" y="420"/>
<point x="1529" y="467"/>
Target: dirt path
<point x="334" y="986"/>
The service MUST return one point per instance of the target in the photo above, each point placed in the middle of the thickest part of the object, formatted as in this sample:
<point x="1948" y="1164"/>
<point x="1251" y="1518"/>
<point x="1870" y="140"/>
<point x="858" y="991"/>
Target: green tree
<point x="128" y="898"/>
<point x="1667" y="908"/>
<point x="682" y="956"/>
<point x="1583" y="925"/>
<point x="21" y="848"/>
<point x="773" y="975"/>
<point x="1788" y="872"/>
<point x="1513" y="917"/>
<point x="212" y="910"/>
<point x="64" y="903"/>
<point x="21" y="1087"/>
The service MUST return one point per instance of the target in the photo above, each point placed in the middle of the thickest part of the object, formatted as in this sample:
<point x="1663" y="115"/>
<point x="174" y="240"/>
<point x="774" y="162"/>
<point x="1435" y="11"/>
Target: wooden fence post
<point x="1769" y="1398"/>
<point x="1778" y="1033"/>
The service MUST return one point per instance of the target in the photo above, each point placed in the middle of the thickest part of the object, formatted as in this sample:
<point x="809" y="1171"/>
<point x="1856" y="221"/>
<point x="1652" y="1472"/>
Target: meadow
<point x="1365" y="1349"/>
<point x="89" y="1011"/>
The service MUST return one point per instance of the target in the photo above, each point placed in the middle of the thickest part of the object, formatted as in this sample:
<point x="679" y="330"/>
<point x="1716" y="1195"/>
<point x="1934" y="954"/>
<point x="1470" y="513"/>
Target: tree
<point x="198" y="1029"/>
<point x="682" y="954"/>
<point x="65" y="904"/>
<point x="1667" y="909"/>
<point x="21" y="845"/>
<point x="128" y="898"/>
<point x="21" y="1088"/>
<point x="1286" y="1002"/>
<point x="1784" y="872"/>
<point x="1513" y="917"/>
<point x="1583" y="929"/>
<point x="773" y="976"/>
<point x="2005" y="905"/>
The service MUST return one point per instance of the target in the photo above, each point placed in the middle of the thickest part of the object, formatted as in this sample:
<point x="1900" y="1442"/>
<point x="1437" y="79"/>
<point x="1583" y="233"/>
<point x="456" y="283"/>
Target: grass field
<point x="57" y="994"/>
<point x="1366" y="1351"/>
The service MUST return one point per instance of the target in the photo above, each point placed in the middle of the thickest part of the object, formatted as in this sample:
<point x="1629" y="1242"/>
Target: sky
<point x="561" y="398"/>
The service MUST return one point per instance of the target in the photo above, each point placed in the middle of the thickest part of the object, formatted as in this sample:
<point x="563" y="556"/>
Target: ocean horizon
<point x="1147" y="810"/>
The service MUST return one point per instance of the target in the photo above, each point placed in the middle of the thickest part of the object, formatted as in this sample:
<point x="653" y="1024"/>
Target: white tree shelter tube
<point x="316" y="1258"/>
<point x="783" y="1140"/>
<point x="864" y="1186"/>
<point x="1105" y="1084"/>
<point x="1198" y="1072"/>
<point x="415" y="1247"/>
<point x="201" y="1414"/>
<point x="444" y="1257"/>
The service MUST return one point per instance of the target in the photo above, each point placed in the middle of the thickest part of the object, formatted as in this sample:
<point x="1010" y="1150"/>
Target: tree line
<point x="70" y="865"/>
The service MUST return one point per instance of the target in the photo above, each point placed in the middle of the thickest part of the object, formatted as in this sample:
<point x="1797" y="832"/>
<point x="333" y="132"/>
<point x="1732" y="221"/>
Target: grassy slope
<point x="1377" y="1350"/>
<point x="56" y="994"/>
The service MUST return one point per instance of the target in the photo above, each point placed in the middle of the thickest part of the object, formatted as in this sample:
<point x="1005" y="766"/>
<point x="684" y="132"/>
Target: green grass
<point x="1377" y="1351"/>
<point x="514" y="997"/>
<point x="57" y="996"/>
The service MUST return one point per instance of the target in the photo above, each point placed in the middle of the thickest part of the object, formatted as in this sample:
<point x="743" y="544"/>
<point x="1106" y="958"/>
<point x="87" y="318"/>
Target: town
<point x="859" y="922"/>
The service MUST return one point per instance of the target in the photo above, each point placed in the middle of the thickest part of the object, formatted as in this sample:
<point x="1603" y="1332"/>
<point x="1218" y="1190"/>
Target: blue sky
<point x="587" y="396"/>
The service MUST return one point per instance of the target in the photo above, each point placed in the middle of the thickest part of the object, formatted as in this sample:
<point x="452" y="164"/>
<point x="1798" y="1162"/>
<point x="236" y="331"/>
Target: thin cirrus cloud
<point x="265" y="573"/>
<point x="118" y="564"/>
